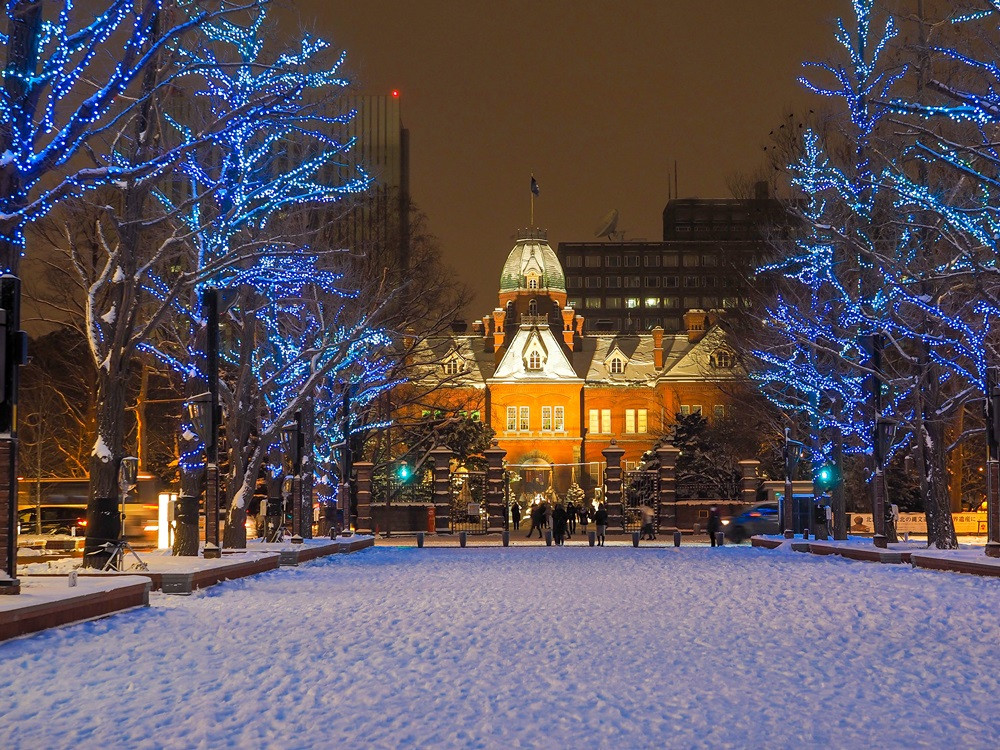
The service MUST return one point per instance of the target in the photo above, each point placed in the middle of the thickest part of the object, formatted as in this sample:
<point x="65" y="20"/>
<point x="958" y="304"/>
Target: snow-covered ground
<point x="541" y="647"/>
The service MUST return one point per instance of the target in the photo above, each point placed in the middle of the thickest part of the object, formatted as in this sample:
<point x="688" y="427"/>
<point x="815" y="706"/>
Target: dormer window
<point x="534" y="361"/>
<point x="532" y="282"/>
<point x="723" y="359"/>
<point x="616" y="365"/>
<point x="454" y="366"/>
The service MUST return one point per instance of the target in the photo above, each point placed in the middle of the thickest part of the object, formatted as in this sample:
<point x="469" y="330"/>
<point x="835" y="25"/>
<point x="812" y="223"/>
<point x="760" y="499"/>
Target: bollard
<point x="695" y="529"/>
<point x="548" y="537"/>
<point x="461" y="539"/>
<point x="591" y="538"/>
<point x="420" y="539"/>
<point x="677" y="538"/>
<point x="635" y="538"/>
<point x="505" y="536"/>
<point x="720" y="538"/>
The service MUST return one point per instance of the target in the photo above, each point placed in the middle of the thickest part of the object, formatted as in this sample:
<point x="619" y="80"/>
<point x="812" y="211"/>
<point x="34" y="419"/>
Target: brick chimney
<point x="696" y="322"/>
<point x="567" y="317"/>
<point x="658" y="347"/>
<point x="499" y="316"/>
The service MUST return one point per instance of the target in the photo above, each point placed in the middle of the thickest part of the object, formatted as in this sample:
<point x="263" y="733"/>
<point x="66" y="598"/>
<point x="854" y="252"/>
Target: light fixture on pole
<point x="792" y="453"/>
<point x="202" y="414"/>
<point x="291" y="443"/>
<point x="993" y="462"/>
<point x="885" y="433"/>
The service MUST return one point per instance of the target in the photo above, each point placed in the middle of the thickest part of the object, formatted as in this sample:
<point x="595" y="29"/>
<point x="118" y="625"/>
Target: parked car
<point x="760" y="519"/>
<point x="56" y="519"/>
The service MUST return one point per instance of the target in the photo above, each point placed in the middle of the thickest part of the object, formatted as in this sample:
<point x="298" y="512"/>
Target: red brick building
<point x="557" y="394"/>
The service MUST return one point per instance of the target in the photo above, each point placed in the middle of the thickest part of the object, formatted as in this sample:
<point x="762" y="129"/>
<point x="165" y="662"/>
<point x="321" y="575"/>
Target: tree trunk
<point x="104" y="522"/>
<point x="937" y="503"/>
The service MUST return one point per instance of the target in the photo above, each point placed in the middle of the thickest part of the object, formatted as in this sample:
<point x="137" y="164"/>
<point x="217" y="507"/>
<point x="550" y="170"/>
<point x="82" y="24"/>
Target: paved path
<point x="554" y="648"/>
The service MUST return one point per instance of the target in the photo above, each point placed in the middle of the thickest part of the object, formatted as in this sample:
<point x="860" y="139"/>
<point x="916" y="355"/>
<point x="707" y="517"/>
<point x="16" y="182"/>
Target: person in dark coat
<point x="570" y="519"/>
<point x="515" y="514"/>
<point x="559" y="523"/>
<point x="537" y="519"/>
<point x="584" y="517"/>
<point x="601" y="520"/>
<point x="714" y="524"/>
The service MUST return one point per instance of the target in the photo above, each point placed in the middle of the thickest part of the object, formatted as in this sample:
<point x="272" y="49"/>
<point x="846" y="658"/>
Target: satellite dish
<point x="608" y="224"/>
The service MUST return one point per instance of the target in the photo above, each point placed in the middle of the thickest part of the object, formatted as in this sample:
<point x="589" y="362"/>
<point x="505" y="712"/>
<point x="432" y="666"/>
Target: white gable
<point x="538" y="340"/>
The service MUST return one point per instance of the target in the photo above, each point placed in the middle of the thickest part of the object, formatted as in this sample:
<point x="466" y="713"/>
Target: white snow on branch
<point x="110" y="315"/>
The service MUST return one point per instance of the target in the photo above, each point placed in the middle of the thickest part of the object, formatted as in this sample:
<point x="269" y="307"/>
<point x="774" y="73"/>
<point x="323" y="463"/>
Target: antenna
<point x="608" y="224"/>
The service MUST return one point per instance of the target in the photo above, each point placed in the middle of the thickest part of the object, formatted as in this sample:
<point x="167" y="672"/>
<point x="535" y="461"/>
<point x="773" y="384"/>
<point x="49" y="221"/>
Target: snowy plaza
<point x="527" y="647"/>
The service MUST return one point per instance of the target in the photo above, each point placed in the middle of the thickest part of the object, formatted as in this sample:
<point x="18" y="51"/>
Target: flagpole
<point x="532" y="210"/>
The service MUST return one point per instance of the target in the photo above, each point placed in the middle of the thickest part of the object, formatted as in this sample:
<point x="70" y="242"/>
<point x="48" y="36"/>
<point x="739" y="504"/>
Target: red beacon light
<point x="395" y="93"/>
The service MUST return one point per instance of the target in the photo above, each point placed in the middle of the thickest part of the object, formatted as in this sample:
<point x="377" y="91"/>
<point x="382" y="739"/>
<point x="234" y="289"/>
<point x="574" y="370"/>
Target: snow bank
<point x="541" y="647"/>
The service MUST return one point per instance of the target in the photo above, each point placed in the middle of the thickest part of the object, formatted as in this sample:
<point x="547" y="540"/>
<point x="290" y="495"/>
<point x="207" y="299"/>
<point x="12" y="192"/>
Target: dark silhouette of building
<point x="705" y="262"/>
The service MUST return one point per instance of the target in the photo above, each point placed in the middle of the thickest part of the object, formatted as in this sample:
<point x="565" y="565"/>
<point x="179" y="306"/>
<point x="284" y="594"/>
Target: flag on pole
<point x="534" y="186"/>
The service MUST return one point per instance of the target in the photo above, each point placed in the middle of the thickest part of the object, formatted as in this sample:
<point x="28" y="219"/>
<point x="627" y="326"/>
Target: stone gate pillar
<point x="667" y="454"/>
<point x="364" y="492"/>
<point x="496" y="508"/>
<point x="613" y="486"/>
<point x="442" y="489"/>
<point x="748" y="481"/>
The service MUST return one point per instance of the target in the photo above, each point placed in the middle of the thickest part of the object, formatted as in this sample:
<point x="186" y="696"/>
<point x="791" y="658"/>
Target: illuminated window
<point x="631" y="303"/>
<point x="652" y="301"/>
<point x="523" y="421"/>
<point x="560" y="419"/>
<point x="719" y="411"/>
<point x="532" y="282"/>
<point x="593" y="303"/>
<point x="605" y="420"/>
<point x="630" y="421"/>
<point x="534" y="361"/>
<point x="685" y="410"/>
<point x="547" y="419"/>
<point x="616" y="366"/>
<point x="511" y="418"/>
<point x="594" y="421"/>
<point x="475" y="416"/>
<point x="642" y="423"/>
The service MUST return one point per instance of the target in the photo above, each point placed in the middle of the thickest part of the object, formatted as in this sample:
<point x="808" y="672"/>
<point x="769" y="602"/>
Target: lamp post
<point x="885" y="431"/>
<point x="291" y="442"/>
<point x="13" y="350"/>
<point x="128" y="477"/>
<point x="993" y="462"/>
<point x="792" y="453"/>
<point x="201" y="413"/>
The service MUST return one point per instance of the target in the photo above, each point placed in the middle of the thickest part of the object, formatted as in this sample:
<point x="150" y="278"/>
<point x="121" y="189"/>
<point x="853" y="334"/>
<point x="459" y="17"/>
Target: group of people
<point x="562" y="519"/>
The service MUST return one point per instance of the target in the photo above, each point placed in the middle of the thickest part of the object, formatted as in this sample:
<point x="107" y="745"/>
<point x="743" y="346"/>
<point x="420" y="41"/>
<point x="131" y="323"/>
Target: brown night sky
<point x="596" y="98"/>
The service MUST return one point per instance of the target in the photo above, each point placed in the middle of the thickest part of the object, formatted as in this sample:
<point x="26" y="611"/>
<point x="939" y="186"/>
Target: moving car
<point x="760" y="519"/>
<point x="56" y="519"/>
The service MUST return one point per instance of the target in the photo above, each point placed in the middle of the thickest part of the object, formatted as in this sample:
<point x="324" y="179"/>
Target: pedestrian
<point x="515" y="514"/>
<point x="601" y="519"/>
<point x="648" y="522"/>
<point x="714" y="524"/>
<point x="570" y="519"/>
<point x="584" y="517"/>
<point x="559" y="523"/>
<point x="537" y="519"/>
<point x="548" y="515"/>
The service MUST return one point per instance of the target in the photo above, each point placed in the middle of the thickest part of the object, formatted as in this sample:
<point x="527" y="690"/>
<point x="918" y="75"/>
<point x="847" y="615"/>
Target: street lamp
<point x="792" y="453"/>
<point x="291" y="444"/>
<point x="885" y="432"/>
<point x="202" y="415"/>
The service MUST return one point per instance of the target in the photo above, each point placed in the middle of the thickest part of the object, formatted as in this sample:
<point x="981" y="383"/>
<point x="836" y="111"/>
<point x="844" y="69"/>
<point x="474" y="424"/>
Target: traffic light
<point x="403" y="472"/>
<point x="827" y="476"/>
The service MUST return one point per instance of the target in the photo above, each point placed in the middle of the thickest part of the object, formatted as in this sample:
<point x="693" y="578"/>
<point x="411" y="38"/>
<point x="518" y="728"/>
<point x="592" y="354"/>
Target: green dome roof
<point x="532" y="253"/>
